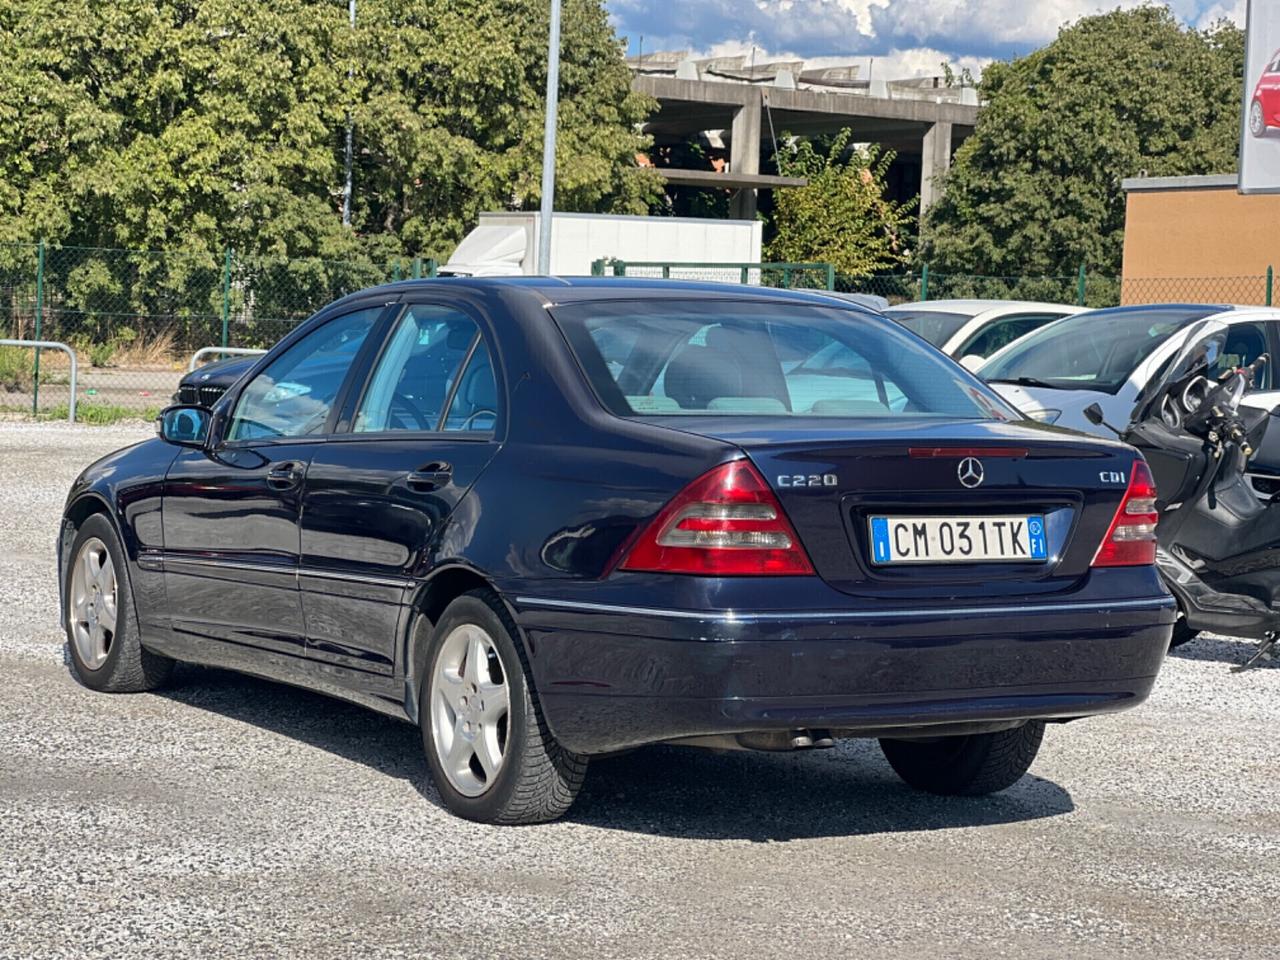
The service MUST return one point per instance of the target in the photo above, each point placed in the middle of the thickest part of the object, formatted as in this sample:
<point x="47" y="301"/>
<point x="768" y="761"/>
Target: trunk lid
<point x="832" y="480"/>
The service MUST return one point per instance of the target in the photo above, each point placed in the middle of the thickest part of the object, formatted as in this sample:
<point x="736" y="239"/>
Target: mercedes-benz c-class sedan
<point x="547" y="520"/>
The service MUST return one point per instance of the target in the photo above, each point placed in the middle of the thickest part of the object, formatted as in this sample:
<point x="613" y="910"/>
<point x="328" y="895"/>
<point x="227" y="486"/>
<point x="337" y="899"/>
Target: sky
<point x="905" y="37"/>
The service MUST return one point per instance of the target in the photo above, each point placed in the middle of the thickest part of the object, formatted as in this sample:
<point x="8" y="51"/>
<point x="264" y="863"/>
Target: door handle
<point x="283" y="476"/>
<point x="431" y="477"/>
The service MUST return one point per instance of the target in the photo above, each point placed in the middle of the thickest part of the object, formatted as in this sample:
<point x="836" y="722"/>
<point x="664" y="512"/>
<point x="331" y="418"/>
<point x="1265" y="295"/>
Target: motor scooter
<point x="1218" y="545"/>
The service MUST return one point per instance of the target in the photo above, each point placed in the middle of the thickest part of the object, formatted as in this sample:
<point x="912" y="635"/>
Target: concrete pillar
<point x="935" y="162"/>
<point x="744" y="155"/>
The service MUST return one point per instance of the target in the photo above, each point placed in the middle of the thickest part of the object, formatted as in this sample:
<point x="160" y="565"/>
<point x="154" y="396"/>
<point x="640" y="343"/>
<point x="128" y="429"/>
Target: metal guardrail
<point x="224" y="351"/>
<point x="52" y="345"/>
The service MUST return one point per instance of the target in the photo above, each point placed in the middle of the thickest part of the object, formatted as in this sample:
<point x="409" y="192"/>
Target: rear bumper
<point x="611" y="677"/>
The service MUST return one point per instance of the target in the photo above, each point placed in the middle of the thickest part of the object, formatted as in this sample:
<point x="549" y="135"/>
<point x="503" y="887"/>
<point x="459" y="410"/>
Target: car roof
<point x="556" y="290"/>
<point x="976" y="307"/>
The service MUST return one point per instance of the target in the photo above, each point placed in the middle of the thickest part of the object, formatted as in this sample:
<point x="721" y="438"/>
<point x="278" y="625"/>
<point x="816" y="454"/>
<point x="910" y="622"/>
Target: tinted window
<point x="750" y="359"/>
<point x="422" y="369"/>
<point x="935" y="326"/>
<point x="1091" y="351"/>
<point x="1001" y="333"/>
<point x="475" y="403"/>
<point x="294" y="396"/>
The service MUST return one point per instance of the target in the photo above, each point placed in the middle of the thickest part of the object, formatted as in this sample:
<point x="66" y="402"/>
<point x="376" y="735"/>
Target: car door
<point x="230" y="513"/>
<point x="379" y="498"/>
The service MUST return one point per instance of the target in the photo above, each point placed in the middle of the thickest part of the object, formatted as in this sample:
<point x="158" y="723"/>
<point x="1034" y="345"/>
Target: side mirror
<point x="184" y="425"/>
<point x="972" y="362"/>
<point x="1093" y="413"/>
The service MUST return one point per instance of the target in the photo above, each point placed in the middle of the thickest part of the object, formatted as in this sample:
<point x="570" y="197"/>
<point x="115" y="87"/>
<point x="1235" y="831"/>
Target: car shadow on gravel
<point x="846" y="791"/>
<point x="662" y="791"/>
<point x="1229" y="650"/>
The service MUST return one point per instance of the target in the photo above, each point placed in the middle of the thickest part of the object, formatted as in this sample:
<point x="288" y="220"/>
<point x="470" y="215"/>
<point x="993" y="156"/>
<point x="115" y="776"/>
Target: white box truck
<point x="506" y="244"/>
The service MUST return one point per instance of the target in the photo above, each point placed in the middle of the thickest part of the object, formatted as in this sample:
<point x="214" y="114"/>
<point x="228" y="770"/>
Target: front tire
<point x="973" y="765"/>
<point x="102" y="625"/>
<point x="491" y="754"/>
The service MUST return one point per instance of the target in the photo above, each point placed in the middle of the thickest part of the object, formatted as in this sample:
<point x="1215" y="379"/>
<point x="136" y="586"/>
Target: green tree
<point x="451" y="110"/>
<point x="1036" y="189"/>
<point x="194" y="124"/>
<point x="842" y="215"/>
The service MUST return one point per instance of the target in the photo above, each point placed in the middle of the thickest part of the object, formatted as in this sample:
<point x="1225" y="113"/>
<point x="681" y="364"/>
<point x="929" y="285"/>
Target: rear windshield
<point x="935" y="326"/>
<point x="729" y="358"/>
<point x="1090" y="351"/>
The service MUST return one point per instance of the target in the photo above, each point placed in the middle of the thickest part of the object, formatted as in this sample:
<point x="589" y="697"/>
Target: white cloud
<point x="1230" y="9"/>
<point x="906" y="29"/>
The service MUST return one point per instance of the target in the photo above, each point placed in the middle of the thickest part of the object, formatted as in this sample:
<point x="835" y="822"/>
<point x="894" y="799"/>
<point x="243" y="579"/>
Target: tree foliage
<point x="1036" y="189"/>
<point x="842" y="215"/>
<point x="194" y="124"/>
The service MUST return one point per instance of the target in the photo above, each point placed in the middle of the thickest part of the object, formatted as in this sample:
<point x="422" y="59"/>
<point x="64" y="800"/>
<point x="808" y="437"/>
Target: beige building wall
<point x="1197" y="239"/>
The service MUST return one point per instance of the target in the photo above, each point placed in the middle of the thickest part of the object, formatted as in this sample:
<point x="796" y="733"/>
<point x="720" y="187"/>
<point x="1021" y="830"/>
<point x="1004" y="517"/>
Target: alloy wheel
<point x="470" y="709"/>
<point x="1257" y="123"/>
<point x="94" y="603"/>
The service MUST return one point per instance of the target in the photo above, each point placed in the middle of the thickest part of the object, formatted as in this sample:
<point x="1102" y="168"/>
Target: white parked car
<point x="972" y="330"/>
<point x="1108" y="357"/>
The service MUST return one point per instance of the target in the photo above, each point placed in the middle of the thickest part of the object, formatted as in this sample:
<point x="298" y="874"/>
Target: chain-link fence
<point x="136" y="317"/>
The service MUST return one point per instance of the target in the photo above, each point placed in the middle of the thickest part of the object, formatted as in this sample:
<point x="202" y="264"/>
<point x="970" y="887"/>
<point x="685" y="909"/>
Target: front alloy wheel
<point x="1257" y="122"/>
<point x="102" y="625"/>
<point x="94" y="603"/>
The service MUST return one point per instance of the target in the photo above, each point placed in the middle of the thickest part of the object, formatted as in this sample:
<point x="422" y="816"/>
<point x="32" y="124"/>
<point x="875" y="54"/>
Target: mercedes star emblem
<point x="970" y="472"/>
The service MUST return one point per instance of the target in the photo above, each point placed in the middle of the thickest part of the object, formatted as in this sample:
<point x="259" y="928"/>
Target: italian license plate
<point x="958" y="539"/>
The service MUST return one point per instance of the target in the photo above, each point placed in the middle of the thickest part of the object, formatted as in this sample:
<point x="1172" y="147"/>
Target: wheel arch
<point x="88" y="504"/>
<point x="427" y="605"/>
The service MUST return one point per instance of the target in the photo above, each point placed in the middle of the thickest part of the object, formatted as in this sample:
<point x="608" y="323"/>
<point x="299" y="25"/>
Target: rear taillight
<point x="1131" y="541"/>
<point x="726" y="523"/>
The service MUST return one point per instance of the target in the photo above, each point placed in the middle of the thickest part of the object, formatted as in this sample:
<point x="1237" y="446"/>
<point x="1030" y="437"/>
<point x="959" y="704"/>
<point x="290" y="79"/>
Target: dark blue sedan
<point x="547" y="520"/>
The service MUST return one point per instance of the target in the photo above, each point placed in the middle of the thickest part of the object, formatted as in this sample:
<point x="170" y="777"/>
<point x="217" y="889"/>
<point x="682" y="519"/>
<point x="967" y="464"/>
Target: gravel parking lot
<point x="230" y="815"/>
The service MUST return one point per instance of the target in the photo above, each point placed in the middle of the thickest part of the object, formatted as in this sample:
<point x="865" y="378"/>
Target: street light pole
<point x="549" y="143"/>
<point x="346" y="187"/>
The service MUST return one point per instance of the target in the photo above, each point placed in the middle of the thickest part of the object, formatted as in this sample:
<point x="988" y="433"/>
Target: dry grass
<point x="154" y="350"/>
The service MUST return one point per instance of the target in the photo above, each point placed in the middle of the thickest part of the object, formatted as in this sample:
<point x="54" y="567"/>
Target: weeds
<point x="15" y="370"/>
<point x="100" y="414"/>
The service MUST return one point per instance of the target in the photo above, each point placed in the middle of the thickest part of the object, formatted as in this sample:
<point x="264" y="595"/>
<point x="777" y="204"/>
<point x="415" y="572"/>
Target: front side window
<point x="1090" y="351"/>
<point x="434" y="361"/>
<point x="731" y="358"/>
<point x="295" y="394"/>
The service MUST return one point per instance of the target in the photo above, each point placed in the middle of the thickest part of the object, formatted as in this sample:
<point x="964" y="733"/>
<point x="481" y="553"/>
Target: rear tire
<point x="102" y="624"/>
<point x="973" y="765"/>
<point x="1182" y="633"/>
<point x="491" y="754"/>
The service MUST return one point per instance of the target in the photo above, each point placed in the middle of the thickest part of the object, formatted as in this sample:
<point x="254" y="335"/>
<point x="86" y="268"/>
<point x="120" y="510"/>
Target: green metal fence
<point x="135" y="316"/>
<point x="1082" y="288"/>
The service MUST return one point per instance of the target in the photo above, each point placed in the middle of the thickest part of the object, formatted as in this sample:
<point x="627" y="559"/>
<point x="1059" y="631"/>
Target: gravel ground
<point x="230" y="815"/>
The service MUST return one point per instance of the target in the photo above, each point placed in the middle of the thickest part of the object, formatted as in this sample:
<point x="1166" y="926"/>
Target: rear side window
<point x="933" y="325"/>
<point x="1003" y="332"/>
<point x="730" y="358"/>
<point x="434" y="361"/>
